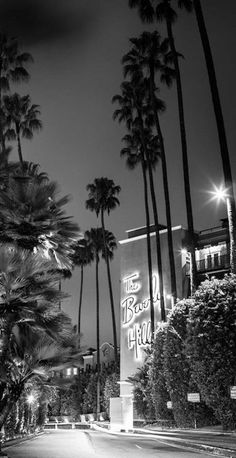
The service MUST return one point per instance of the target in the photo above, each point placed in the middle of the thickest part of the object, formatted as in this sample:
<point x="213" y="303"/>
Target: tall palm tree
<point x="149" y="54"/>
<point x="103" y="198"/>
<point x="134" y="156"/>
<point x="12" y="69"/>
<point x="21" y="118"/>
<point x="162" y="10"/>
<point x="220" y="129"/>
<point x="95" y="241"/>
<point x="133" y="111"/>
<point x="82" y="257"/>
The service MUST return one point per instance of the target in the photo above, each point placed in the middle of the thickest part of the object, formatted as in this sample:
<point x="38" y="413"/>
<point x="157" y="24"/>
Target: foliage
<point x="13" y="62"/>
<point x="211" y="345"/>
<point x="33" y="217"/>
<point x="156" y="372"/>
<point x="103" y="198"/>
<point x="111" y="389"/>
<point x="102" y="195"/>
<point x="177" y="369"/>
<point x="21" y="119"/>
<point x="82" y="255"/>
<point x="143" y="400"/>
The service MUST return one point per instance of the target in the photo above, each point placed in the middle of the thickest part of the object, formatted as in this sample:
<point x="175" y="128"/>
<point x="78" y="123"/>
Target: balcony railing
<point x="218" y="262"/>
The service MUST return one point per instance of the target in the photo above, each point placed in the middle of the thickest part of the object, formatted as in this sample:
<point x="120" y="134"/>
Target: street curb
<point x="19" y="440"/>
<point x="217" y="451"/>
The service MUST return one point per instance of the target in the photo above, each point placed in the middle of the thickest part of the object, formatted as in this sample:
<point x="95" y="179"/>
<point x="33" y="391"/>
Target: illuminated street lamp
<point x="222" y="194"/>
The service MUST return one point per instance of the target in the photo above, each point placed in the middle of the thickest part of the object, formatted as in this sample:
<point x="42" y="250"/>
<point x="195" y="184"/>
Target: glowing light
<point x="130" y="305"/>
<point x="138" y="333"/>
<point x="168" y="296"/>
<point x="219" y="193"/>
<point x="30" y="399"/>
<point x="184" y="251"/>
<point x="131" y="285"/>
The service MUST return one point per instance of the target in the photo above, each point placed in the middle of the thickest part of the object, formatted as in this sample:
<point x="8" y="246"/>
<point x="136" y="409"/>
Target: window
<point x="209" y="261"/>
<point x="216" y="260"/>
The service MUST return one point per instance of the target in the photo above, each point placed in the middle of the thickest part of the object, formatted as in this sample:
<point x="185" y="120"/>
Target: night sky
<point x="77" y="46"/>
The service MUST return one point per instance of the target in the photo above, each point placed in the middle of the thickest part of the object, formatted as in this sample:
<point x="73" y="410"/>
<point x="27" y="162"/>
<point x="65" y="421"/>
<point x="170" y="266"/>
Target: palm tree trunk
<point x="19" y="147"/>
<point x="110" y="291"/>
<point x="6" y="409"/>
<point x="98" y="338"/>
<point x="59" y="289"/>
<point x="158" y="245"/>
<point x="166" y="188"/>
<point x="220" y="128"/>
<point x="184" y="157"/>
<point x="3" y="418"/>
<point x="80" y="297"/>
<point x="149" y="252"/>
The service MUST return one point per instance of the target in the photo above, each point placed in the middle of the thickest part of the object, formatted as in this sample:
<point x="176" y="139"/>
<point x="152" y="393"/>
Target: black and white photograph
<point x="117" y="228"/>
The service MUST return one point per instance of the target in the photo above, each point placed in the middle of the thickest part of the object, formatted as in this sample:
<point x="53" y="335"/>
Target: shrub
<point x="211" y="345"/>
<point x="156" y="372"/>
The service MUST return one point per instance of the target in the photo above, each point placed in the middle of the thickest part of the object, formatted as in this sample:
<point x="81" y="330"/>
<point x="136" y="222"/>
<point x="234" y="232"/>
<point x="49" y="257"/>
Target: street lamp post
<point x="222" y="194"/>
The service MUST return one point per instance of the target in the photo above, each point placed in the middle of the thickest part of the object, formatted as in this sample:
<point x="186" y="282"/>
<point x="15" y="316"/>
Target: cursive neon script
<point x="140" y="335"/>
<point x="131" y="307"/>
<point x="131" y="283"/>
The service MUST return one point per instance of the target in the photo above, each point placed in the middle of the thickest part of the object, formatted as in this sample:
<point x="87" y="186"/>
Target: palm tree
<point x="33" y="217"/>
<point x="82" y="257"/>
<point x="135" y="156"/>
<point x="12" y="69"/>
<point x="28" y="298"/>
<point x="162" y="10"/>
<point x="27" y="291"/>
<point x="21" y="118"/>
<point x="132" y="110"/>
<point x="32" y="358"/>
<point x="220" y="128"/>
<point x="149" y="54"/>
<point x="95" y="241"/>
<point x="103" y="198"/>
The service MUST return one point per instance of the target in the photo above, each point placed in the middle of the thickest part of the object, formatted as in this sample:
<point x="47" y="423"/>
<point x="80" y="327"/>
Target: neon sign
<point x="130" y="305"/>
<point x="138" y="334"/>
<point x="132" y="286"/>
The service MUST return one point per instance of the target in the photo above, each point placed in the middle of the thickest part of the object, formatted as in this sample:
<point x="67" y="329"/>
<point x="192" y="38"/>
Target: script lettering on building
<point x="134" y="310"/>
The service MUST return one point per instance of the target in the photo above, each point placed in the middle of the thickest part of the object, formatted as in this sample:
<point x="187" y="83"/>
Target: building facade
<point x="212" y="259"/>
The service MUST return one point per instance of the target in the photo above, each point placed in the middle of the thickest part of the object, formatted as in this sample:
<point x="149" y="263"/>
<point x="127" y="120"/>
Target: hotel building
<point x="212" y="259"/>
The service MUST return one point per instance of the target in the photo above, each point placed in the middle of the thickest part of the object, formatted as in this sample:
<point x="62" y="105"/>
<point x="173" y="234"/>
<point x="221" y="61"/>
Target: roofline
<point x="143" y="236"/>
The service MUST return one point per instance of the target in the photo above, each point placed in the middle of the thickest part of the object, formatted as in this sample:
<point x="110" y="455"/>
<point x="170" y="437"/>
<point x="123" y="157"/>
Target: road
<point x="216" y="439"/>
<point x="91" y="444"/>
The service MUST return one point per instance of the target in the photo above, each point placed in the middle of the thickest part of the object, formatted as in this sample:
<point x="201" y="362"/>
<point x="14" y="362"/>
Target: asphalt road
<point x="91" y="444"/>
<point x="215" y="439"/>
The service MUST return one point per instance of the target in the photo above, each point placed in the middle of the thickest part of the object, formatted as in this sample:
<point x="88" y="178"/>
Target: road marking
<point x="138" y="446"/>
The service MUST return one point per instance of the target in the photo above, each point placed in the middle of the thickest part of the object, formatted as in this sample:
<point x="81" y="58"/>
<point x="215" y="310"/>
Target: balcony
<point x="213" y="263"/>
